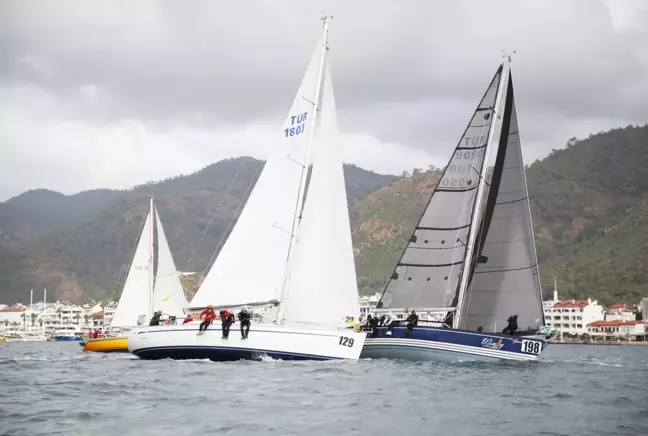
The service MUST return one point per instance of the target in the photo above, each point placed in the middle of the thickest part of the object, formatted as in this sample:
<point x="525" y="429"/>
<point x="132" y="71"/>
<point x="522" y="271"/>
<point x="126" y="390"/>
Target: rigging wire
<point x="229" y="188"/>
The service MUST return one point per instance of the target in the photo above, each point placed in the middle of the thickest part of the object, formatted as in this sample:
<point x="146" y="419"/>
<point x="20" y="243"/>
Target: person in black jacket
<point x="156" y="318"/>
<point x="512" y="325"/>
<point x="244" y="317"/>
<point x="412" y="321"/>
<point x="227" y="319"/>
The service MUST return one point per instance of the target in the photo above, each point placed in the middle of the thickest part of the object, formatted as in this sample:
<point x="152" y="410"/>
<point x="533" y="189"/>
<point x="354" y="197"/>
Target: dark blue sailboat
<point x="471" y="260"/>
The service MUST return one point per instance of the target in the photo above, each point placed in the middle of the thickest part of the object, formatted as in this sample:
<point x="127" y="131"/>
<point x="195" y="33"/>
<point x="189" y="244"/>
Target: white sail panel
<point x="168" y="295"/>
<point x="506" y="280"/>
<point x="135" y="298"/>
<point x="322" y="287"/>
<point x="429" y="272"/>
<point x="251" y="266"/>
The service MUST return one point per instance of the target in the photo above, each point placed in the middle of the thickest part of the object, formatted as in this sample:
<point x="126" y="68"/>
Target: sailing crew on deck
<point x="209" y="316"/>
<point x="512" y="325"/>
<point x="412" y="321"/>
<point x="227" y="319"/>
<point x="244" y="317"/>
<point x="155" y="320"/>
<point x="188" y="319"/>
<point x="368" y="323"/>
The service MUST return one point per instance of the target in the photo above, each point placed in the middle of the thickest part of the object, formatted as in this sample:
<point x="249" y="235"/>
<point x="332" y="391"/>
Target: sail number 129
<point x="346" y="341"/>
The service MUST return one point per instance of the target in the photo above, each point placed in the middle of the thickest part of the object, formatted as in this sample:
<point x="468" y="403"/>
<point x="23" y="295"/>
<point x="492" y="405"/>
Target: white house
<point x="621" y="312"/>
<point x="617" y="329"/>
<point x="573" y="316"/>
<point x="12" y="316"/>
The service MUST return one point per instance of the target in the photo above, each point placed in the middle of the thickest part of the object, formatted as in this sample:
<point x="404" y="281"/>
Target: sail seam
<point x="456" y="190"/>
<point x="443" y="228"/>
<point x="511" y="201"/>
<point x="423" y="265"/>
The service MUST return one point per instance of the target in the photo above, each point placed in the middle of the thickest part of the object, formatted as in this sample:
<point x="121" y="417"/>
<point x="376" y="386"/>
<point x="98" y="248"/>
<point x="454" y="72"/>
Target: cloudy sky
<point x="112" y="94"/>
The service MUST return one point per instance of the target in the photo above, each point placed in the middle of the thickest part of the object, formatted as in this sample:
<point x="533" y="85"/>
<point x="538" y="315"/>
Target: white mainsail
<point x="322" y="287"/>
<point x="168" y="295"/>
<point x="251" y="265"/>
<point x="135" y="300"/>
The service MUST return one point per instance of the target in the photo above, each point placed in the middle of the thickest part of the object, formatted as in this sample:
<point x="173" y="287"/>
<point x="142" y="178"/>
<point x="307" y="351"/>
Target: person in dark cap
<point x="512" y="325"/>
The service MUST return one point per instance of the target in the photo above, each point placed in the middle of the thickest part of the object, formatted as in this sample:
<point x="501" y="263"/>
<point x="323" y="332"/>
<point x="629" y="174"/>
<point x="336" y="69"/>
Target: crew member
<point x="512" y="325"/>
<point x="244" y="317"/>
<point x="155" y="320"/>
<point x="208" y="314"/>
<point x="227" y="319"/>
<point x="188" y="319"/>
<point x="412" y="321"/>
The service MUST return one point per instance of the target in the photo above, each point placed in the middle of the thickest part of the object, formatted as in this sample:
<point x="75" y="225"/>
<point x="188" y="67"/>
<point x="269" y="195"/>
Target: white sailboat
<point x="290" y="250"/>
<point x="146" y="289"/>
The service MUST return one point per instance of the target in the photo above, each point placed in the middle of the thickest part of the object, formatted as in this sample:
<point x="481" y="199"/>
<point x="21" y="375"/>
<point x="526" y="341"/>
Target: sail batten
<point x="429" y="271"/>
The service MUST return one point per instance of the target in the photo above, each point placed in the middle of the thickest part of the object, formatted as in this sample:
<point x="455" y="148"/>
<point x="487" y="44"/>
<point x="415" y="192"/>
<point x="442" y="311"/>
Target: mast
<point x="31" y="302"/>
<point x="44" y="299"/>
<point x="304" y="173"/>
<point x="151" y="253"/>
<point x="475" y="222"/>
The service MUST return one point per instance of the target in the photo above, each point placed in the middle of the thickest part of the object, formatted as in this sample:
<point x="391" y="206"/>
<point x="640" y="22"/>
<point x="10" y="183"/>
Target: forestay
<point x="506" y="280"/>
<point x="135" y="298"/>
<point x="250" y="267"/>
<point x="429" y="271"/>
<point x="168" y="295"/>
<point x="322" y="287"/>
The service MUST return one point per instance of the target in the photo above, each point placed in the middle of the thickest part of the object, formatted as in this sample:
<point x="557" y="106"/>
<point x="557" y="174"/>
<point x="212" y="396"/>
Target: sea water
<point x="55" y="389"/>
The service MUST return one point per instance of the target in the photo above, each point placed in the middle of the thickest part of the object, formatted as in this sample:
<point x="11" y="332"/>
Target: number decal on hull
<point x="346" y="342"/>
<point x="531" y="347"/>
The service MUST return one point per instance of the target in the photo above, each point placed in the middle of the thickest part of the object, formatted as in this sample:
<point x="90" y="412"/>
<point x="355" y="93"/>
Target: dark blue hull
<point x="443" y="344"/>
<point x="68" y="338"/>
<point x="218" y="354"/>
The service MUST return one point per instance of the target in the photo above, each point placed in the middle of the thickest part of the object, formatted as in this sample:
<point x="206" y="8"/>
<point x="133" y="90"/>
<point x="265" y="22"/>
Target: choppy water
<point x="54" y="388"/>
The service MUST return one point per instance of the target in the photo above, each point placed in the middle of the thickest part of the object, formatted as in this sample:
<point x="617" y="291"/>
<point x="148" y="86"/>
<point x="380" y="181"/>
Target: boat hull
<point x="67" y="338"/>
<point x="264" y="340"/>
<point x="118" y="344"/>
<point x="450" y="345"/>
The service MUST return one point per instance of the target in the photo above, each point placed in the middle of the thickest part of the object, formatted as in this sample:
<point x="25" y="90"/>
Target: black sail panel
<point x="428" y="272"/>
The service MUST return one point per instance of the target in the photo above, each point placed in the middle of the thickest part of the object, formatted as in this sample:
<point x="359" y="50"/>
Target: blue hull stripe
<point x="221" y="353"/>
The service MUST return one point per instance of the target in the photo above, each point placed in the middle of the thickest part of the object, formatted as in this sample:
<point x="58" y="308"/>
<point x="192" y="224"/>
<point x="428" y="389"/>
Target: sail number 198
<point x="346" y="341"/>
<point x="531" y="347"/>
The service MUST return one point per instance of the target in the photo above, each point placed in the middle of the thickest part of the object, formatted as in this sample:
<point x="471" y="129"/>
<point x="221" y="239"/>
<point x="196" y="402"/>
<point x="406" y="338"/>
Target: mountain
<point x="589" y="202"/>
<point x="40" y="211"/>
<point x="88" y="243"/>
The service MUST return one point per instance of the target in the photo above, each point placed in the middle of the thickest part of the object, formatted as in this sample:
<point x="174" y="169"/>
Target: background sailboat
<point x="149" y="286"/>
<point x="290" y="250"/>
<point x="472" y="255"/>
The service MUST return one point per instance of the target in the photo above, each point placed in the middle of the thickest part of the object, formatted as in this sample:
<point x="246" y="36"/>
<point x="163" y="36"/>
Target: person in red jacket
<point x="208" y="314"/>
<point x="189" y="318"/>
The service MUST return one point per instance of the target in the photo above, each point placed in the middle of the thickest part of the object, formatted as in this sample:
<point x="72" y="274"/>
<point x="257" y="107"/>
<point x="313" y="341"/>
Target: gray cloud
<point x="406" y="72"/>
